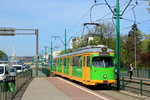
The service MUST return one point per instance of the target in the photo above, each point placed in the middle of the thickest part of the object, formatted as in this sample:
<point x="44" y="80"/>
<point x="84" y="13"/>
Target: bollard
<point x="141" y="87"/>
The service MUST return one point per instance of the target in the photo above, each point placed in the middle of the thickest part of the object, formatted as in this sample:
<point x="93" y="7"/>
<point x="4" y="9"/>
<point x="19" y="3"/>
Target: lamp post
<point x="117" y="15"/>
<point x="8" y="31"/>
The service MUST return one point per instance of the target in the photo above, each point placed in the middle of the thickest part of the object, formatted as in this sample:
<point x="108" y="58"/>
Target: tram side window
<point x="80" y="61"/>
<point x="88" y="61"/>
<point x="64" y="61"/>
<point x="77" y="61"/>
<point x="68" y="62"/>
<point x="54" y="63"/>
<point x="60" y="62"/>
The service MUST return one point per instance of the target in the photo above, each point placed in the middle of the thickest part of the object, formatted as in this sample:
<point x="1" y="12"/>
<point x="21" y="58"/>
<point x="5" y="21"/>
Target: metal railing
<point x="138" y="73"/>
<point x="12" y="85"/>
<point x="138" y="86"/>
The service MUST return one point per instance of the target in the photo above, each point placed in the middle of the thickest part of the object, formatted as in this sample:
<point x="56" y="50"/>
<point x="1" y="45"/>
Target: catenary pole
<point x="51" y="55"/>
<point x="117" y="15"/>
<point x="65" y="51"/>
<point x="118" y="42"/>
<point x="37" y="64"/>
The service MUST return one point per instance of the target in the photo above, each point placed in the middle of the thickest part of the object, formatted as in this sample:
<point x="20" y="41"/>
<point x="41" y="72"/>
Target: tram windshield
<point x="103" y="62"/>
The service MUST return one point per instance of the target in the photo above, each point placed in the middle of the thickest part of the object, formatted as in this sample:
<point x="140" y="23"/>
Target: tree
<point x="133" y="43"/>
<point x="145" y="56"/>
<point x="105" y="35"/>
<point x="124" y="51"/>
<point x="144" y="59"/>
<point x="149" y="5"/>
<point x="146" y="45"/>
<point x="1" y="54"/>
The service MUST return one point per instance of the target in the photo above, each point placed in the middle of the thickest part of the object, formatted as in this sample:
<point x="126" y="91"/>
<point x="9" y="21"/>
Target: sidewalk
<point x="41" y="89"/>
<point x="55" y="88"/>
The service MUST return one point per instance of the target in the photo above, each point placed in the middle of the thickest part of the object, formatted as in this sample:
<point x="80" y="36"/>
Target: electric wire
<point x="79" y="21"/>
<point x="110" y="12"/>
<point x="91" y="16"/>
<point x="92" y="8"/>
<point x="139" y="23"/>
<point x="130" y="20"/>
<point x="105" y="15"/>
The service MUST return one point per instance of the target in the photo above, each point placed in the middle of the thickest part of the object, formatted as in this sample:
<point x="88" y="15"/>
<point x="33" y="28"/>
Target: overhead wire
<point x="79" y="21"/>
<point x="130" y="20"/>
<point x="132" y="9"/>
<point x="91" y="16"/>
<point x="92" y="8"/>
<point x="103" y="16"/>
<point x="110" y="13"/>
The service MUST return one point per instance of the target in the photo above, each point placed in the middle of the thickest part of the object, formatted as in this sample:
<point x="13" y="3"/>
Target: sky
<point x="52" y="17"/>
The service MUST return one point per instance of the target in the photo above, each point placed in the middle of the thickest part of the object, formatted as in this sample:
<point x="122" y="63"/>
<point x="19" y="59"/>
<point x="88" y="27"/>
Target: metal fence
<point x="12" y="85"/>
<point x="136" y="86"/>
<point x="138" y="73"/>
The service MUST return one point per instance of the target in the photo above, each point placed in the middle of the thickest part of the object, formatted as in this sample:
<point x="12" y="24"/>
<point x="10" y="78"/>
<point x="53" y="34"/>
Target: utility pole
<point x="118" y="42"/>
<point x="42" y="58"/>
<point x="51" y="56"/>
<point x="65" y="43"/>
<point x="37" y="42"/>
<point x="117" y="15"/>
<point x="45" y="56"/>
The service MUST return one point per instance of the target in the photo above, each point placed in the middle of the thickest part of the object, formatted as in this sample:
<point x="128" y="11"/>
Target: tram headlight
<point x="105" y="76"/>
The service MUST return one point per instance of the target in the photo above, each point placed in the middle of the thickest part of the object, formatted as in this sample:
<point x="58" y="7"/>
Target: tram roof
<point x="87" y="49"/>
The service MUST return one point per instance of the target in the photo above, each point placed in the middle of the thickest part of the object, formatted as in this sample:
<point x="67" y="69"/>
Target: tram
<point x="90" y="65"/>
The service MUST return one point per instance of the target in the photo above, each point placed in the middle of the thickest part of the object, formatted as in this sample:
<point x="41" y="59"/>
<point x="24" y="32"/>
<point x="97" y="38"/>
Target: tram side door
<point x="86" y="67"/>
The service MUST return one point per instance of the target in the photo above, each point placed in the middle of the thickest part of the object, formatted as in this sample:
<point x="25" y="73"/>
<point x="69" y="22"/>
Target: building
<point x="145" y="37"/>
<point x="56" y="53"/>
<point x="77" y="40"/>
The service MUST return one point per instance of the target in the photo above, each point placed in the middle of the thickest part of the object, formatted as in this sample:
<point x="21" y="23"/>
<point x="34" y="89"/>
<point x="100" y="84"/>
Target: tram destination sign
<point x="104" y="53"/>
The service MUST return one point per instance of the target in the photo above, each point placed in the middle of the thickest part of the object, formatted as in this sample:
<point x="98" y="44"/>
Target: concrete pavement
<point x="53" y="88"/>
<point x="41" y="89"/>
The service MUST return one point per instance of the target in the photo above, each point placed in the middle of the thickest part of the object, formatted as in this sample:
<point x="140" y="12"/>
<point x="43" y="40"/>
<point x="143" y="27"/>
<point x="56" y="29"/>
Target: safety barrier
<point x="10" y="86"/>
<point x="139" y="73"/>
<point x="136" y="86"/>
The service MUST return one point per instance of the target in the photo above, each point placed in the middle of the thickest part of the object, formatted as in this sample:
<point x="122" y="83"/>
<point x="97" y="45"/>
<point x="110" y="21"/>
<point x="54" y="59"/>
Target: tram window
<point x="54" y="63"/>
<point x="60" y="62"/>
<point x="77" y="61"/>
<point x="64" y="61"/>
<point x="88" y="61"/>
<point x="102" y="62"/>
<point x="80" y="61"/>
